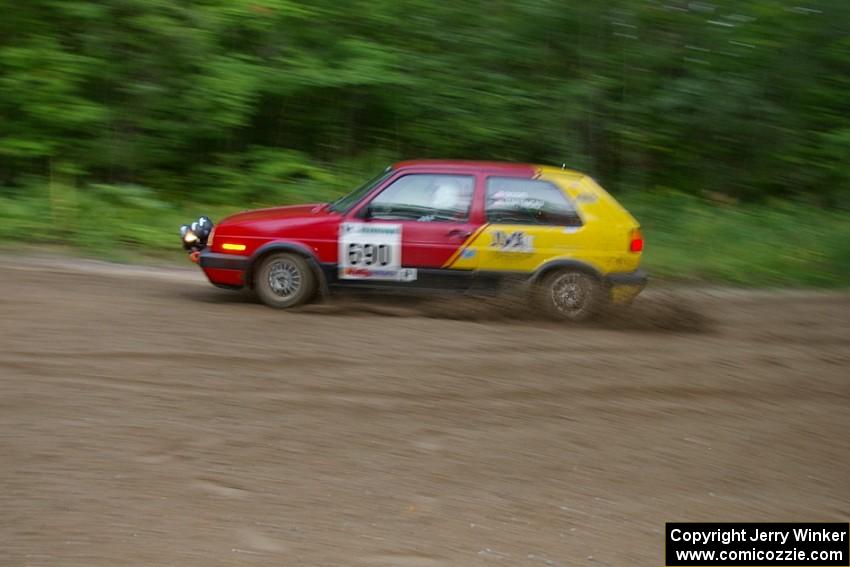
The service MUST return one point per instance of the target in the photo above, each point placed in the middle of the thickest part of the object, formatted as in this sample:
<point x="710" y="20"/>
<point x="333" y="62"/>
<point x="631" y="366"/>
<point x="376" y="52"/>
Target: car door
<point x="410" y="230"/>
<point x="529" y="222"/>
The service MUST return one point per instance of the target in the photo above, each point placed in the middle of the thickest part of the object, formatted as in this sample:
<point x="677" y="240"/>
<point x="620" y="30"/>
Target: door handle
<point x="458" y="233"/>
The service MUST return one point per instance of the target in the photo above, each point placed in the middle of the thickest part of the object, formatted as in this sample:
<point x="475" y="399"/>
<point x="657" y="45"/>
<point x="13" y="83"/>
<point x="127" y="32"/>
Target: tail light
<point x="636" y="243"/>
<point x="210" y="237"/>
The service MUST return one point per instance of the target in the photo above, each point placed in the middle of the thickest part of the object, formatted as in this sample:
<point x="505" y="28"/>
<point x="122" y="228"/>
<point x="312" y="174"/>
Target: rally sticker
<point x="515" y="200"/>
<point x="372" y="251"/>
<point x="517" y="241"/>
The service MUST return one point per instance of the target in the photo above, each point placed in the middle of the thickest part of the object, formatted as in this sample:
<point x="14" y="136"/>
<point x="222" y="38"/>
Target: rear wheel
<point x="571" y="295"/>
<point x="284" y="280"/>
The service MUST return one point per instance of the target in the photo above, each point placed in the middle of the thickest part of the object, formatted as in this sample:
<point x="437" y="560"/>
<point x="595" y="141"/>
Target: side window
<point x="425" y="198"/>
<point x="512" y="200"/>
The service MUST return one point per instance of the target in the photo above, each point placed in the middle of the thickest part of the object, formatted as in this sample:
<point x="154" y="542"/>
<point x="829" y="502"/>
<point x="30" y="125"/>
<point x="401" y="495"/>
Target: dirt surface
<point x="147" y="418"/>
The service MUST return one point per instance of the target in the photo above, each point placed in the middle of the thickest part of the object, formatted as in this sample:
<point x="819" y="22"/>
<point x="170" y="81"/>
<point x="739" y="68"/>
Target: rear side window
<point x="528" y="201"/>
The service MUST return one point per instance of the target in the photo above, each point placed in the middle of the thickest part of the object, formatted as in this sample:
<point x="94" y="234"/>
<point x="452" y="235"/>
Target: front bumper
<point x="625" y="286"/>
<point x="216" y="260"/>
<point x="223" y="270"/>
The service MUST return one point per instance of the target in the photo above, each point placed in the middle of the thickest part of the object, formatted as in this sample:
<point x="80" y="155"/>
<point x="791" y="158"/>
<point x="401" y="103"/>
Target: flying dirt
<point x="149" y="419"/>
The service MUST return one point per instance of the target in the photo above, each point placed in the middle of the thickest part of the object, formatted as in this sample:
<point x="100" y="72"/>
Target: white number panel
<point x="372" y="251"/>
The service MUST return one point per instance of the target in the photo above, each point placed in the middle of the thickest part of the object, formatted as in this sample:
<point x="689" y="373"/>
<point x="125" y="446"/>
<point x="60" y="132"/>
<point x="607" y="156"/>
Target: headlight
<point x="190" y="237"/>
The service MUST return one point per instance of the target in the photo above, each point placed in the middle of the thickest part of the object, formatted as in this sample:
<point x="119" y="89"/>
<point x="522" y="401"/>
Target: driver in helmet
<point x="448" y="199"/>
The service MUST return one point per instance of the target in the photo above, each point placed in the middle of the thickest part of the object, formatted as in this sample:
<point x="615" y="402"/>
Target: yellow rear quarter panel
<point x="602" y="241"/>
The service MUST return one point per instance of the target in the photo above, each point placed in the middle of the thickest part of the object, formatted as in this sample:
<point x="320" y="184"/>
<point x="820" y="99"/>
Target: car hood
<point x="276" y="213"/>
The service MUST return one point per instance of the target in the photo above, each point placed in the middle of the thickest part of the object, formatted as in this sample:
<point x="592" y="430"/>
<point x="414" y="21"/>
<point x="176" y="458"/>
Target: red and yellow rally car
<point x="428" y="225"/>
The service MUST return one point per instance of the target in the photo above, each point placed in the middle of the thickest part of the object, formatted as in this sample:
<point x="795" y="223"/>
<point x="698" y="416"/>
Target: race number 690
<point x="369" y="254"/>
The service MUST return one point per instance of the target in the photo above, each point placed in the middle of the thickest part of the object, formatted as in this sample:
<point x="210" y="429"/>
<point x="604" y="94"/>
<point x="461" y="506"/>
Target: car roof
<point x="529" y="169"/>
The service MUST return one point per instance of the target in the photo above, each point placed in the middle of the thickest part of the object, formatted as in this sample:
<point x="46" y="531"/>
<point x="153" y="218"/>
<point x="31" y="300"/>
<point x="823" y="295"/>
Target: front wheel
<point x="284" y="280"/>
<point x="571" y="295"/>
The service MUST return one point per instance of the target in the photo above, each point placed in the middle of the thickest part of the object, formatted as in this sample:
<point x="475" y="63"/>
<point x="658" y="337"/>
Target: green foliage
<point x="778" y="243"/>
<point x="742" y="98"/>
<point x="265" y="176"/>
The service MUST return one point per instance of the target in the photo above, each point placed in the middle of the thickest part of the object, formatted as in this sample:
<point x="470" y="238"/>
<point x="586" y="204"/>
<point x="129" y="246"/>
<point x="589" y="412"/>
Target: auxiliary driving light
<point x="195" y="235"/>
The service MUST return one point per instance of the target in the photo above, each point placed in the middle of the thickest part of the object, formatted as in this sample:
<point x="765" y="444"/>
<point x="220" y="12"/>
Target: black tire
<point x="284" y="280"/>
<point x="571" y="295"/>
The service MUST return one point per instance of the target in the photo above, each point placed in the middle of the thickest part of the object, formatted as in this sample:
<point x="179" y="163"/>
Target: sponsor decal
<point x="407" y="274"/>
<point x="401" y="275"/>
<point x="517" y="241"/>
<point x="515" y="200"/>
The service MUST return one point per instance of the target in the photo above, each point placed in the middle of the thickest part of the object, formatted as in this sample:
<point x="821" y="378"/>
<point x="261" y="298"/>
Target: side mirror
<point x="366" y="212"/>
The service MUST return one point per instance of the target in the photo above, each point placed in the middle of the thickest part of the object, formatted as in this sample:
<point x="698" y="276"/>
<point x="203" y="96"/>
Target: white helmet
<point x="446" y="196"/>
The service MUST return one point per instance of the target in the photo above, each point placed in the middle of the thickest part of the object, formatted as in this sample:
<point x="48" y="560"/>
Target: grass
<point x="690" y="239"/>
<point x="776" y="244"/>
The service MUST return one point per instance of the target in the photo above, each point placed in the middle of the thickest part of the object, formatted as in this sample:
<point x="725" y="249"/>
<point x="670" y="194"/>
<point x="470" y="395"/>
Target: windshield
<point x="344" y="203"/>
